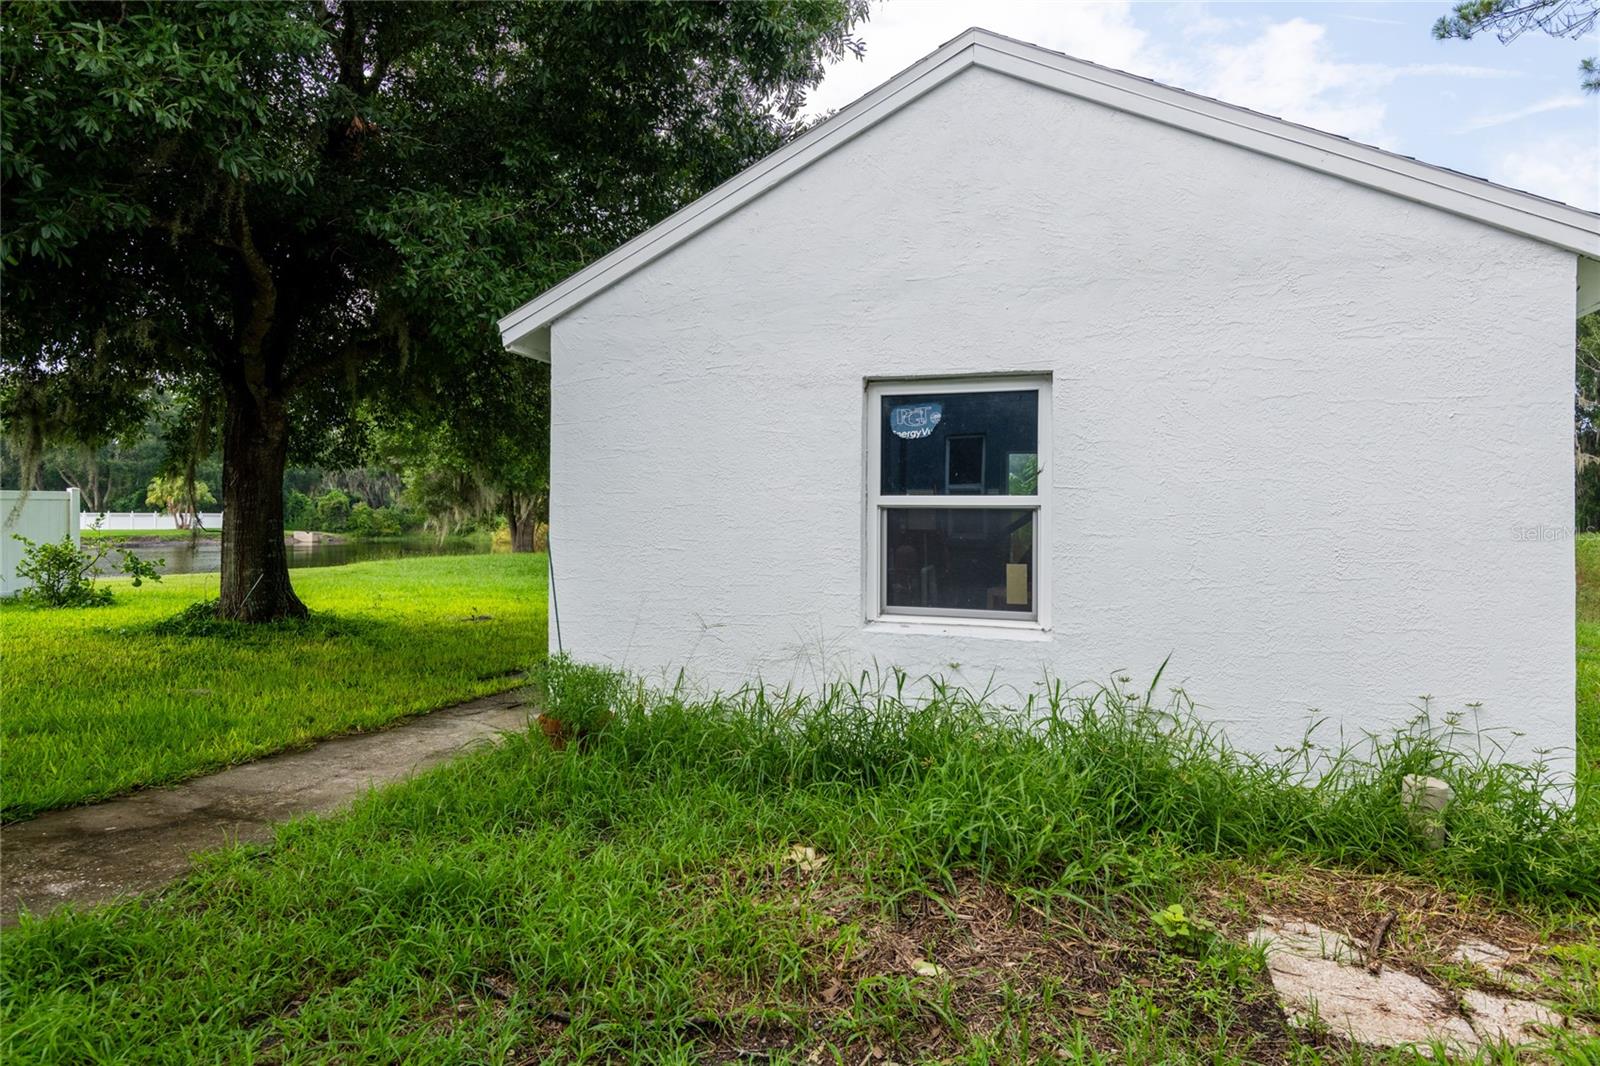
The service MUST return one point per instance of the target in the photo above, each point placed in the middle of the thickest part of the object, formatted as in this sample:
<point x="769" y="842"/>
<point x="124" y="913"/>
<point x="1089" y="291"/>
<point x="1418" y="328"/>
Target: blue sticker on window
<point x="913" y="421"/>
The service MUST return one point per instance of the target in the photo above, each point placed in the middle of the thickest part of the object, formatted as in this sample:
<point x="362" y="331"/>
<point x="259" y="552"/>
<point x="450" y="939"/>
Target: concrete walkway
<point x="87" y="855"/>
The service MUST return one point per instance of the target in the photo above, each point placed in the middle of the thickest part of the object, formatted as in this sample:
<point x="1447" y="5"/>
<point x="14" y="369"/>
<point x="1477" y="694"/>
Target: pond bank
<point x="183" y="553"/>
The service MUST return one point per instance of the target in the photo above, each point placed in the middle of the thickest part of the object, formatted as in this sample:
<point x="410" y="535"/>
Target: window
<point x="955" y="522"/>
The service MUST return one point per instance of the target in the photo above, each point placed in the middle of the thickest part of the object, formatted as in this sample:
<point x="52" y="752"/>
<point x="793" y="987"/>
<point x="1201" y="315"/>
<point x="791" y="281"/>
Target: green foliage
<point x="367" y="521"/>
<point x="469" y="453"/>
<point x="283" y="212"/>
<point x="111" y="474"/>
<point x="1586" y="424"/>
<point x="63" y="574"/>
<point x="332" y="510"/>
<point x="1023" y="480"/>
<point x="1061" y="787"/>
<point x="155" y="688"/>
<point x="1587" y="389"/>
<point x="200" y="621"/>
<point x="299" y="510"/>
<point x="1588" y="497"/>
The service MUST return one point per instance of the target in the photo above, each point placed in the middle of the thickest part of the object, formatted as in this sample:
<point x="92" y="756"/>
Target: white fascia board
<point x="1509" y="209"/>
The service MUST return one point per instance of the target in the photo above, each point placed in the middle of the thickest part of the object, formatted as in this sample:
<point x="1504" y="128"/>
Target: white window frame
<point x="877" y="505"/>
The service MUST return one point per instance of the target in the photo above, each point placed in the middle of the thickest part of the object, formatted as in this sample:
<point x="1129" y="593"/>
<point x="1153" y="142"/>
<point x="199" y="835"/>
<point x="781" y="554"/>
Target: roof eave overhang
<point x="526" y="330"/>
<point x="1588" y="286"/>
<point x="533" y="343"/>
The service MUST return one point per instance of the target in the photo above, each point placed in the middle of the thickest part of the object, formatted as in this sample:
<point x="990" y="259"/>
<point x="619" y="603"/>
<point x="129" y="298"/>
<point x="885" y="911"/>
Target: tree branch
<point x="312" y="369"/>
<point x="265" y="297"/>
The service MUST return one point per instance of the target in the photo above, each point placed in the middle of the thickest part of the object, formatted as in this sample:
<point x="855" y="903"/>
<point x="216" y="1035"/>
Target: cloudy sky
<point x="1371" y="71"/>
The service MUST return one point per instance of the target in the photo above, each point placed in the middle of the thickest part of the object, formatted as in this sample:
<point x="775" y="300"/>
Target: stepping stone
<point x="1320" y="978"/>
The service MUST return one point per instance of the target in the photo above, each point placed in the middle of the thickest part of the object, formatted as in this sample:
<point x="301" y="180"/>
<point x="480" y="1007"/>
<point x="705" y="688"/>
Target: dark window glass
<point x="960" y="558"/>
<point x="943" y="443"/>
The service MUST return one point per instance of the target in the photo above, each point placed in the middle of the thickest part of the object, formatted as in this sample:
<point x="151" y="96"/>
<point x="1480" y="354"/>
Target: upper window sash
<point x="956" y="441"/>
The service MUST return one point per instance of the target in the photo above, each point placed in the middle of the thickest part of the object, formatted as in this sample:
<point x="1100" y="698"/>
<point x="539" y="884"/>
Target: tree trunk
<point x="255" y="565"/>
<point x="520" y="518"/>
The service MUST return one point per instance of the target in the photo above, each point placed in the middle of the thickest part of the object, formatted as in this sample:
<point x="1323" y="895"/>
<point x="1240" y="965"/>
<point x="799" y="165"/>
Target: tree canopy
<point x="1510" y="19"/>
<point x="280" y="211"/>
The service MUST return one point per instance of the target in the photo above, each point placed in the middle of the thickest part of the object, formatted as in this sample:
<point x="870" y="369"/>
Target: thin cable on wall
<point x="555" y="605"/>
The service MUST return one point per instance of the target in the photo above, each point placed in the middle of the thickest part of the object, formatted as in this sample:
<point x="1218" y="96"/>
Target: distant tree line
<point x="422" y="487"/>
<point x="1586" y="425"/>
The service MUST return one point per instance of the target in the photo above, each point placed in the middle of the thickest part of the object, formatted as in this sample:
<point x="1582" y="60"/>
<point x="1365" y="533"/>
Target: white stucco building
<point x="1023" y="366"/>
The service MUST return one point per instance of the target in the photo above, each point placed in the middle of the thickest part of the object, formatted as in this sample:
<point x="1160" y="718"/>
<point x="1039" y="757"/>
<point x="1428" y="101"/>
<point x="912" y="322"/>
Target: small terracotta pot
<point x="554" y="730"/>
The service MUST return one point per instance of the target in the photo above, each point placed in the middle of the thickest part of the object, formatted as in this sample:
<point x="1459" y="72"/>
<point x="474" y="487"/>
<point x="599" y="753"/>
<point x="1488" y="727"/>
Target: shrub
<point x="368" y="521"/>
<point x="363" y="521"/>
<point x="299" y="510"/>
<point x="63" y="574"/>
<point x="332" y="511"/>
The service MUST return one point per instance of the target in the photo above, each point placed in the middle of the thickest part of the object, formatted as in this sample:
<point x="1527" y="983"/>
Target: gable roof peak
<point x="526" y="330"/>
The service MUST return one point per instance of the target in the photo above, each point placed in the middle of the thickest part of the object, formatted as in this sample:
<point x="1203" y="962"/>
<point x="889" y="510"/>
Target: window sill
<point x="981" y="628"/>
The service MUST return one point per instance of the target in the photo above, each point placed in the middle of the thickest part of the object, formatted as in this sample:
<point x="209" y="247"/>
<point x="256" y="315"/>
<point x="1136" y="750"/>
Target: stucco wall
<point x="1300" y="427"/>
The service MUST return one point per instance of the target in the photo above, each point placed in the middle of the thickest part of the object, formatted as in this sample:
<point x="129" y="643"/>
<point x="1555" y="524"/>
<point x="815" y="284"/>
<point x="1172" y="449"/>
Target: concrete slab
<point x="93" y="854"/>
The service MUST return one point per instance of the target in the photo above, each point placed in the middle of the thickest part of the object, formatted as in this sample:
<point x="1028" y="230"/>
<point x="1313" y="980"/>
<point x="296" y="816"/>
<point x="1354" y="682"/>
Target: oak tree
<point x="284" y="209"/>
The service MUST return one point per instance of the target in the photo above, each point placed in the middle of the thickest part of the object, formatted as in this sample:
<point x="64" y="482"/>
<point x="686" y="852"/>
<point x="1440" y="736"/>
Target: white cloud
<point x="1287" y="69"/>
<point x="1554" y="103"/>
<point x="1290" y="70"/>
<point x="1564" y="167"/>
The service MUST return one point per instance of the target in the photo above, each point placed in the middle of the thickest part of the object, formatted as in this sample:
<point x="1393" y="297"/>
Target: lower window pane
<point x="959" y="559"/>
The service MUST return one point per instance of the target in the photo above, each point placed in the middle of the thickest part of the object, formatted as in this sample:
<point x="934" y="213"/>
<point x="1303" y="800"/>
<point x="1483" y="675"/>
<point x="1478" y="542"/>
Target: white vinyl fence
<point x="43" y="516"/>
<point x="127" y="521"/>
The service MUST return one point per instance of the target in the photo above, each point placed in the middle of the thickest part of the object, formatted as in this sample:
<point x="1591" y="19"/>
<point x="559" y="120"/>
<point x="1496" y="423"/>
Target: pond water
<point x="184" y="556"/>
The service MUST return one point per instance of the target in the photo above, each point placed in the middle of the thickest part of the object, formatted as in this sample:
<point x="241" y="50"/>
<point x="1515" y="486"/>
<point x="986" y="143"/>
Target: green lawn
<point x="1588" y="561"/>
<point x="96" y="703"/>
<point x="972" y="893"/>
